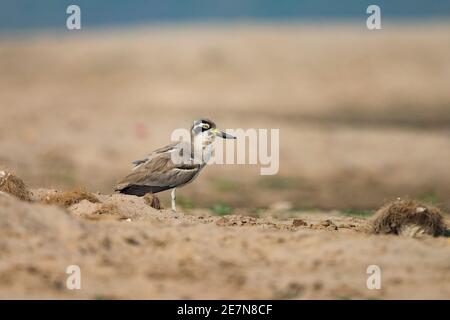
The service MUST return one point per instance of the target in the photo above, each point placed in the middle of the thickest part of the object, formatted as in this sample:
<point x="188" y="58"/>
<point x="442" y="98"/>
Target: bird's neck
<point x="201" y="148"/>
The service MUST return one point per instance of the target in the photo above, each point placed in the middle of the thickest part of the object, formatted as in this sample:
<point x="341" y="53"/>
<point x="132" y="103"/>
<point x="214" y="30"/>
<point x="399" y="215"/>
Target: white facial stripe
<point x="202" y="125"/>
<point x="198" y="125"/>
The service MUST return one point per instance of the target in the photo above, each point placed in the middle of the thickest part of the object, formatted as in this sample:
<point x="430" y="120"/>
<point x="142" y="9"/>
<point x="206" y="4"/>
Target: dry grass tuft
<point x="68" y="198"/>
<point x="14" y="186"/>
<point x="408" y="217"/>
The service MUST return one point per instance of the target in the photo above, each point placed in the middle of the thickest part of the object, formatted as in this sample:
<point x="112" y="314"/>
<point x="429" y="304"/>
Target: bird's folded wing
<point x="177" y="146"/>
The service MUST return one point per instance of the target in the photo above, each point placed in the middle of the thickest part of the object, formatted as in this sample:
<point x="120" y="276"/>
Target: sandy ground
<point x="143" y="253"/>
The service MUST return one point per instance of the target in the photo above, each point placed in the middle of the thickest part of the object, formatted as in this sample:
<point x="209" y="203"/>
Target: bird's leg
<point x="174" y="207"/>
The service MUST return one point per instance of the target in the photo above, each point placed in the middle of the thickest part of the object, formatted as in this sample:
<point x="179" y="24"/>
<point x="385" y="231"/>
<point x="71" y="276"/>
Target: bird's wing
<point x="169" y="148"/>
<point x="160" y="172"/>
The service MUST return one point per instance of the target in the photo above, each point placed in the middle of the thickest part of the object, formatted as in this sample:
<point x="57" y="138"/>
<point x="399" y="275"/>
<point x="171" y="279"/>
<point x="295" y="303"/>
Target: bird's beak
<point x="224" y="135"/>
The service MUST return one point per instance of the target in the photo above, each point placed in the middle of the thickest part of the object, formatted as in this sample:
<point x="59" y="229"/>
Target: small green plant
<point x="185" y="203"/>
<point x="430" y="198"/>
<point x="304" y="209"/>
<point x="226" y="185"/>
<point x="221" y="209"/>
<point x="279" y="183"/>
<point x="257" y="211"/>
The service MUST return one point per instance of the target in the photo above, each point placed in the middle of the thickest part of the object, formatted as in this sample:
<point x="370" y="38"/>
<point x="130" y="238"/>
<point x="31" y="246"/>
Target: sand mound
<point x="30" y="220"/>
<point x="13" y="185"/>
<point x="158" y="254"/>
<point x="408" y="217"/>
<point x="96" y="211"/>
<point x="68" y="198"/>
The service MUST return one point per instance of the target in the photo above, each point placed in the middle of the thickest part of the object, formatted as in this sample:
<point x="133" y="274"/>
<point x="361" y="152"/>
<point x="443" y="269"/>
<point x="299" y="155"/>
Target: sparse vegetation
<point x="223" y="185"/>
<point x="257" y="211"/>
<point x="278" y="182"/>
<point x="430" y="197"/>
<point x="357" y="213"/>
<point x="185" y="202"/>
<point x="221" y="209"/>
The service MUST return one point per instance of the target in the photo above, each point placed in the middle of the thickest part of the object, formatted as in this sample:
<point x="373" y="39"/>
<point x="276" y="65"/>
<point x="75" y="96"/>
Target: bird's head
<point x="207" y="130"/>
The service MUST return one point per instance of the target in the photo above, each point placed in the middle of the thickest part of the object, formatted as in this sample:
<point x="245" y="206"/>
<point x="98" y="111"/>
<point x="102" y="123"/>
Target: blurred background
<point x="364" y="116"/>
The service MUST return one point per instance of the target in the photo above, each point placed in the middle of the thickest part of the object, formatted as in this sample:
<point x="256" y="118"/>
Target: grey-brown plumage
<point x="158" y="172"/>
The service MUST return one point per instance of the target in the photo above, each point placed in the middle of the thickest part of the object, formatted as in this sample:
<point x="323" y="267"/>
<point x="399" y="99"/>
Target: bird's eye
<point x="205" y="126"/>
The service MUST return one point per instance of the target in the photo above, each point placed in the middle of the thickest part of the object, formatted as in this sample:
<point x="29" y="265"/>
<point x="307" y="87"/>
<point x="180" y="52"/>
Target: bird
<point x="159" y="172"/>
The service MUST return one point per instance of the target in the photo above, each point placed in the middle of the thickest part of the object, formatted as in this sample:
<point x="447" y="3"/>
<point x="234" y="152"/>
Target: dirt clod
<point x="325" y="224"/>
<point x="236" y="221"/>
<point x="153" y="201"/>
<point x="299" y="223"/>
